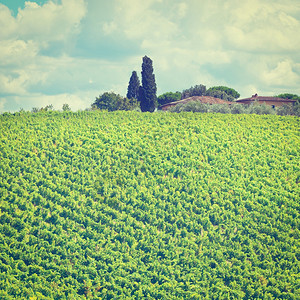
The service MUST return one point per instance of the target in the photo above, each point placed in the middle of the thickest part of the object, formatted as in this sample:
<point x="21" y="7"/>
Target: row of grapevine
<point x="130" y="205"/>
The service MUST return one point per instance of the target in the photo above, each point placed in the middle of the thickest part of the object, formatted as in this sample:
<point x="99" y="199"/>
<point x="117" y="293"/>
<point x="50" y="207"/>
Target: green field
<point x="128" y="205"/>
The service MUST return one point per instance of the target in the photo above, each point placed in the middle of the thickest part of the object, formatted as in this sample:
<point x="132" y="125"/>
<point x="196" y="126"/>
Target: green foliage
<point x="66" y="107"/>
<point x="260" y="109"/>
<point x="220" y="108"/>
<point x="147" y="92"/>
<point x="192" y="106"/>
<point x="289" y="109"/>
<point x="289" y="96"/>
<point x="43" y="109"/>
<point x="35" y="110"/>
<point x="133" y="86"/>
<point x="223" y="92"/>
<point x="219" y="94"/>
<point x="124" y="205"/>
<point x="111" y="102"/>
<point x="168" y="97"/>
<point x="237" y="108"/>
<point x="197" y="90"/>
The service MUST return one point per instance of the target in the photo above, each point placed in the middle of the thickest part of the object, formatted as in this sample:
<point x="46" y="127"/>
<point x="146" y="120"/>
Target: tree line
<point x="143" y="96"/>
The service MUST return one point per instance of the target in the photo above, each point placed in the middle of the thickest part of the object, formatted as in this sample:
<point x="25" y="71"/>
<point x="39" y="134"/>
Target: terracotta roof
<point x="265" y="98"/>
<point x="202" y="99"/>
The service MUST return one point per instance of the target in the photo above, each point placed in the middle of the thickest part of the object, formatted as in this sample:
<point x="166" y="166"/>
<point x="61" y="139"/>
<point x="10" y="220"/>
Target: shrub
<point x="288" y="110"/>
<point x="296" y="109"/>
<point x="260" y="109"/>
<point x="193" y="106"/>
<point x="201" y="107"/>
<point x="219" y="108"/>
<point x="177" y="108"/>
<point x="238" y="108"/>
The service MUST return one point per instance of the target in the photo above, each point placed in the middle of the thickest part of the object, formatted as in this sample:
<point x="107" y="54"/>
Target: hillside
<point x="128" y="205"/>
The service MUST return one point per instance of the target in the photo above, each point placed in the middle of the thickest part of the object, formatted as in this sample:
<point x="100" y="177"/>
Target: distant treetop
<point x="223" y="92"/>
<point x="197" y="90"/>
<point x="289" y="96"/>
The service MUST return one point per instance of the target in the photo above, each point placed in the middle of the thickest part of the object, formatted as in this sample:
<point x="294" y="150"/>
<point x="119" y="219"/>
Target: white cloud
<point x="12" y="84"/>
<point x="181" y="9"/>
<point x="251" y="45"/>
<point x="283" y="74"/>
<point x="17" y="52"/>
<point x="258" y="26"/>
<point x="140" y="19"/>
<point x="249" y="90"/>
<point x="21" y="61"/>
<point x="75" y="101"/>
<point x="2" y="103"/>
<point x="109" y="27"/>
<point x="7" y="23"/>
<point x="51" y="21"/>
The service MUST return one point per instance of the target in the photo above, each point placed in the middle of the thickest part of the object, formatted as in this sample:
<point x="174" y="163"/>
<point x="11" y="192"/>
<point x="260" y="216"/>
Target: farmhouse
<point x="272" y="101"/>
<point x="202" y="99"/>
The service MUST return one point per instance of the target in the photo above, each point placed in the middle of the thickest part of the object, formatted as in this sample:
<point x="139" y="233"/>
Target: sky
<point x="71" y="51"/>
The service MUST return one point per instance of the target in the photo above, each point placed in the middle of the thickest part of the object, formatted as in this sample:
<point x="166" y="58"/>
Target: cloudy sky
<point x="70" y="51"/>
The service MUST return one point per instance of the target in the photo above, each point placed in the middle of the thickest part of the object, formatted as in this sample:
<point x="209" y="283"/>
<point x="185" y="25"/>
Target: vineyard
<point x="129" y="205"/>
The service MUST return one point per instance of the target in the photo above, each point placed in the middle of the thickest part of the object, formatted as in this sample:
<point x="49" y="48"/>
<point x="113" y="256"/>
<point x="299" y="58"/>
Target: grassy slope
<point x="158" y="205"/>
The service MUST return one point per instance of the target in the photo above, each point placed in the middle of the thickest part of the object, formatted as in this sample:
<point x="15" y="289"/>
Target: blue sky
<point x="70" y="51"/>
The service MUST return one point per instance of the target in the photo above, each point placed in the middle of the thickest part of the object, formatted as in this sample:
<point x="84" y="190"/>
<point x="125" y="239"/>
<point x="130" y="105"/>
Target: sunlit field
<point x="131" y="205"/>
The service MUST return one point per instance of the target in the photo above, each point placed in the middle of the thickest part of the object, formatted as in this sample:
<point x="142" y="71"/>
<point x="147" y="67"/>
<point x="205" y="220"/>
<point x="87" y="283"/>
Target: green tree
<point x="66" y="107"/>
<point x="168" y="97"/>
<point x="112" y="101"/>
<point x="35" y="110"/>
<point x="147" y="92"/>
<point x="197" y="90"/>
<point x="289" y="96"/>
<point x="48" y="108"/>
<point x="223" y="92"/>
<point x="43" y="109"/>
<point x="219" y="94"/>
<point x="133" y="86"/>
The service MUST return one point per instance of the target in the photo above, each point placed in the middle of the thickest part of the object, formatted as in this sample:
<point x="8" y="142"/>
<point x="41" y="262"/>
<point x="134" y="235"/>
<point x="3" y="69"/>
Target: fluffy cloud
<point x="141" y="19"/>
<point x="37" y="100"/>
<point x="13" y="84"/>
<point x="69" y="50"/>
<point x="212" y="42"/>
<point x="283" y="74"/>
<point x="8" y="22"/>
<point x="2" y="103"/>
<point x="200" y="33"/>
<point x="76" y="102"/>
<point x="259" y="26"/>
<point x="51" y="21"/>
<point x="17" y="52"/>
<point x="23" y="64"/>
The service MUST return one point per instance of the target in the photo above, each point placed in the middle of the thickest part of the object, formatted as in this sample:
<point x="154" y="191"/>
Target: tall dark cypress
<point x="133" y="86"/>
<point x="147" y="92"/>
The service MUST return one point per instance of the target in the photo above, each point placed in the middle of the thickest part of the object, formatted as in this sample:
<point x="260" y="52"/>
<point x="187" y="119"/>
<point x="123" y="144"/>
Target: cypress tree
<point x="147" y="92"/>
<point x="133" y="86"/>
